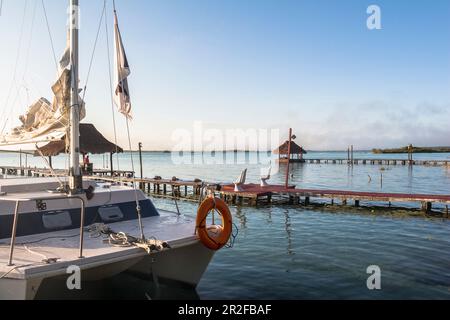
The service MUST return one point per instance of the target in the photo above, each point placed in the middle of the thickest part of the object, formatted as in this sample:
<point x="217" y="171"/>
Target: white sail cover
<point x="122" y="93"/>
<point x="45" y="121"/>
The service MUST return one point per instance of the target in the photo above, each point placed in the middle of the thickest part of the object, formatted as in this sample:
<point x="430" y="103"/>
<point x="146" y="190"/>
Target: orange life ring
<point x="214" y="237"/>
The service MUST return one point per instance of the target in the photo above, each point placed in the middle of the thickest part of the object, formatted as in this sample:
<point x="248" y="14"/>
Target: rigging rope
<point x="112" y="97"/>
<point x="138" y="207"/>
<point x="27" y="56"/>
<point x="61" y="184"/>
<point x="50" y="36"/>
<point x="16" y="64"/>
<point x="94" y="49"/>
<point x="51" y="42"/>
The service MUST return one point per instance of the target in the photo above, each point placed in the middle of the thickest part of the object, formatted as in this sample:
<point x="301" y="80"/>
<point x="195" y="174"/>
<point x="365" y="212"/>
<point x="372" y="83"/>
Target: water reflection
<point x="269" y="217"/>
<point x="410" y="178"/>
<point x="240" y="214"/>
<point x="288" y="228"/>
<point x="349" y="176"/>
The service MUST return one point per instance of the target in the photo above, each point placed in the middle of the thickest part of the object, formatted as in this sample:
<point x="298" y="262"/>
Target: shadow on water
<point x="124" y="286"/>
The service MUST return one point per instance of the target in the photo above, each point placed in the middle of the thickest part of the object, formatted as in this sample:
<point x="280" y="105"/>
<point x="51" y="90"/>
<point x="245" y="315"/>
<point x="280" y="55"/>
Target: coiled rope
<point x="122" y="239"/>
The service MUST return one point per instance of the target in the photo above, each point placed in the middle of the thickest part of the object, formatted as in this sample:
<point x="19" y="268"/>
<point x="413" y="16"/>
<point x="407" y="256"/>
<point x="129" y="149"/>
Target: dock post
<point x="356" y="203"/>
<point x="352" y="156"/>
<point x="446" y="209"/>
<point x="307" y="201"/>
<point x="426" y="206"/>
<point x="291" y="199"/>
<point x="140" y="159"/>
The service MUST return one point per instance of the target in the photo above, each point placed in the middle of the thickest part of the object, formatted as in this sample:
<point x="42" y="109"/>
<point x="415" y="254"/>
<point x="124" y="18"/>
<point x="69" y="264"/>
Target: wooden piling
<point x="426" y="206"/>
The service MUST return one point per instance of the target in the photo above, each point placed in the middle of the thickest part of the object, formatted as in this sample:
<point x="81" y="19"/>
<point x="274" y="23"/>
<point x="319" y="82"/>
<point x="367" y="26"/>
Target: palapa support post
<point x="111" y="164"/>
<point x="288" y="159"/>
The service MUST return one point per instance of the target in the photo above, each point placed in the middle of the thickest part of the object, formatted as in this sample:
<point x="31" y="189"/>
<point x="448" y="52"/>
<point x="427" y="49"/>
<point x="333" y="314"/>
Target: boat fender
<point x="214" y="236"/>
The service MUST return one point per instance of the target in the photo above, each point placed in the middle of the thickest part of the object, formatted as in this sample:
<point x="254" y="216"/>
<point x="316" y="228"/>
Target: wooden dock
<point x="167" y="188"/>
<point x="253" y="194"/>
<point x="381" y="162"/>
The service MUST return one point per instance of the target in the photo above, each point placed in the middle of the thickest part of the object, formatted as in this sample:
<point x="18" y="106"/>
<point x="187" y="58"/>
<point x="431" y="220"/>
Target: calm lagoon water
<point x="312" y="253"/>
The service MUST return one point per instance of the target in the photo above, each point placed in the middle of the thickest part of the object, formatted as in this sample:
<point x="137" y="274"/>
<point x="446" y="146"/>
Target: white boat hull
<point x="184" y="265"/>
<point x="42" y="258"/>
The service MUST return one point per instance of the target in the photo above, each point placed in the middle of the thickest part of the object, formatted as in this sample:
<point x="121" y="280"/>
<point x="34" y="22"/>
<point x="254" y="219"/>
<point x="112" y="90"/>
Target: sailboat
<point x="65" y="230"/>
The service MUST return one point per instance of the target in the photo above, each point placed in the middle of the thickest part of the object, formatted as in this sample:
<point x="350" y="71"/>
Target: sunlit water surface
<point x="293" y="252"/>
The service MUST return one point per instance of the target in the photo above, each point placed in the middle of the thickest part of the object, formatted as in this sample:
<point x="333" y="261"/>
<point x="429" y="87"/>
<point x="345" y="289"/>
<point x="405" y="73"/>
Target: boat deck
<point x="31" y="251"/>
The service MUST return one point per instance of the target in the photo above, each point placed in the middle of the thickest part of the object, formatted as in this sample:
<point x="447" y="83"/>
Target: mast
<point x="75" y="176"/>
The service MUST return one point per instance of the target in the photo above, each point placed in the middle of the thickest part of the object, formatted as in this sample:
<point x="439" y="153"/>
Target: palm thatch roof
<point x="295" y="149"/>
<point x="91" y="142"/>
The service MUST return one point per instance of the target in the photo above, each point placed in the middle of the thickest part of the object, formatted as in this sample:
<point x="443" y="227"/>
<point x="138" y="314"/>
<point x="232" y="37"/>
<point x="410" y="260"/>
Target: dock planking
<point x="256" y="193"/>
<point x="381" y="162"/>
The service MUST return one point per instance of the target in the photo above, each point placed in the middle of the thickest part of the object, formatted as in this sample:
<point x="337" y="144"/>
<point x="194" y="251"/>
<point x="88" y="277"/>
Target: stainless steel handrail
<point x="16" y="221"/>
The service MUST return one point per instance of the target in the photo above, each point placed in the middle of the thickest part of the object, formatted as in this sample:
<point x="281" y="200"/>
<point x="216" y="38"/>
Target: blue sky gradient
<point x="311" y="65"/>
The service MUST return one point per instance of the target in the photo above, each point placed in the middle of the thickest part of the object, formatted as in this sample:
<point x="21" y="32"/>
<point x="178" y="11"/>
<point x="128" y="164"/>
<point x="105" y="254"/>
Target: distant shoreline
<point x="414" y="150"/>
<point x="374" y="151"/>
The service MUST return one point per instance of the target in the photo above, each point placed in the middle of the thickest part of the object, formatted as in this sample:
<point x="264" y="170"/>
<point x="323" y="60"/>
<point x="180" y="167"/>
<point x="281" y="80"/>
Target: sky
<point x="248" y="64"/>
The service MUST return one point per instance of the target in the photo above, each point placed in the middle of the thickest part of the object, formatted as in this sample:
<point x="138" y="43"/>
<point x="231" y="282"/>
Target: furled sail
<point x="45" y="121"/>
<point x="122" y="93"/>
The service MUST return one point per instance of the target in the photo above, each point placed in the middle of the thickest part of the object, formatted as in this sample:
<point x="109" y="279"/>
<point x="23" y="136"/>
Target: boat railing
<point x="16" y="221"/>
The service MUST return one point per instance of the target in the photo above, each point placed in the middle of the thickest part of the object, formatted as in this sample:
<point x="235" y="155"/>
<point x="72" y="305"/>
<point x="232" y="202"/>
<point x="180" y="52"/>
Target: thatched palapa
<point x="91" y="142"/>
<point x="295" y="149"/>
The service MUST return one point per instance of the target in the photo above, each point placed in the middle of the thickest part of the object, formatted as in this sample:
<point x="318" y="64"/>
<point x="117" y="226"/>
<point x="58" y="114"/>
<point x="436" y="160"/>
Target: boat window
<point x="110" y="214"/>
<point x="57" y="220"/>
